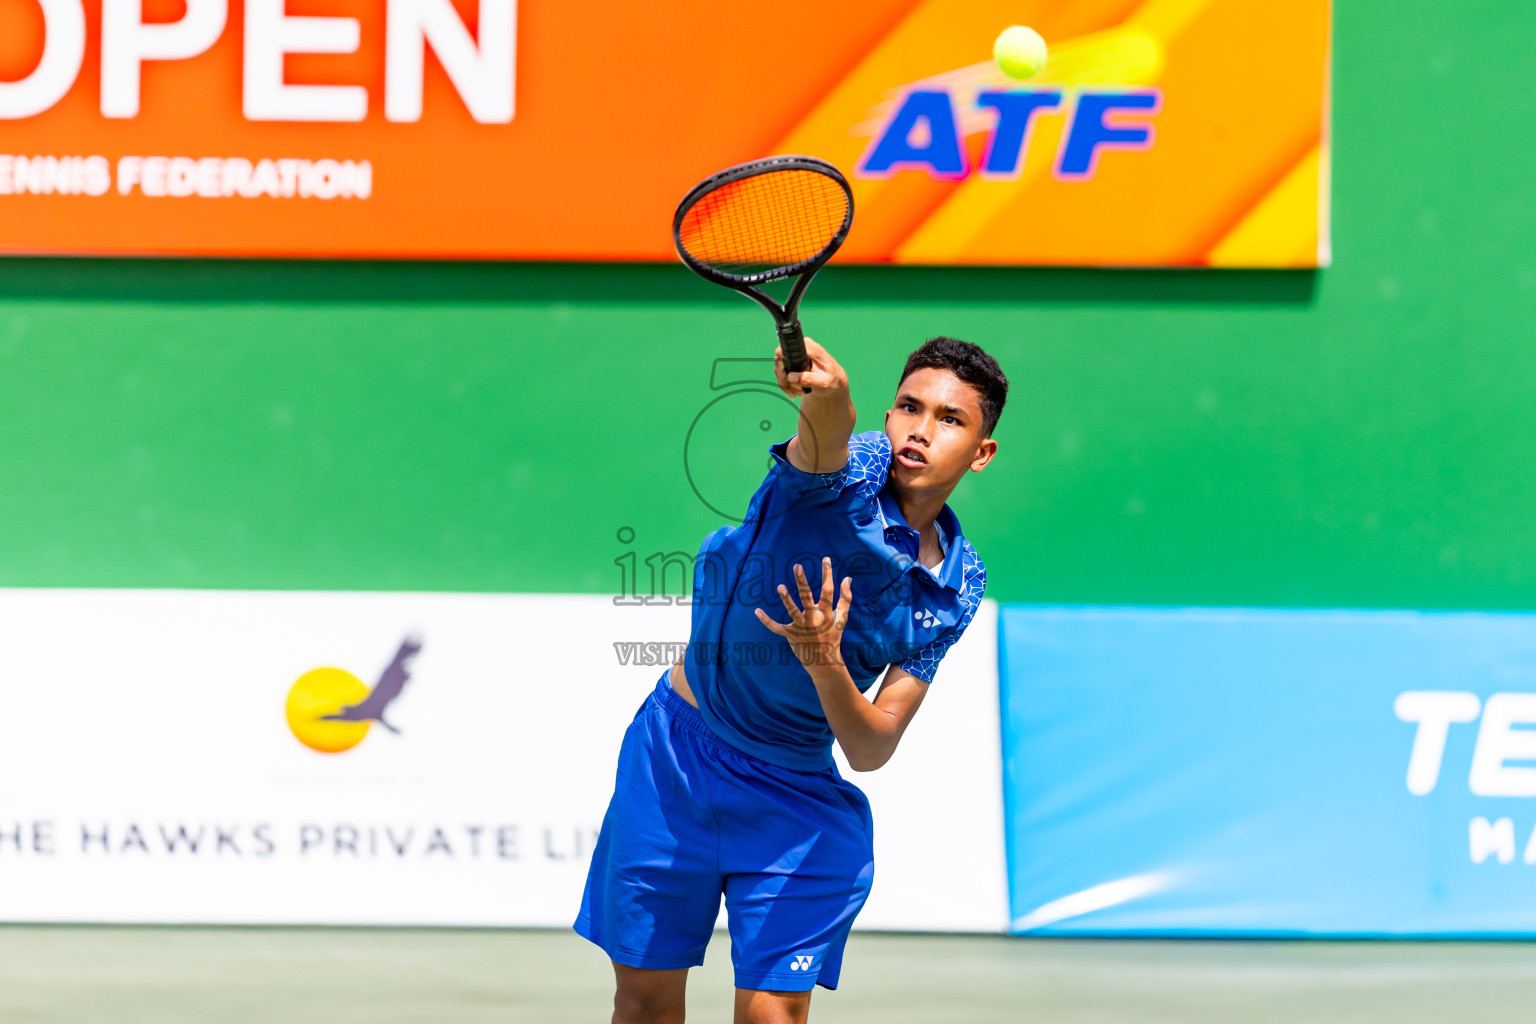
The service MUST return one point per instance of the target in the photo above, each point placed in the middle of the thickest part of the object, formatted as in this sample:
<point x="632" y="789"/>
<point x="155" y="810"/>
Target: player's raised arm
<point x="826" y="410"/>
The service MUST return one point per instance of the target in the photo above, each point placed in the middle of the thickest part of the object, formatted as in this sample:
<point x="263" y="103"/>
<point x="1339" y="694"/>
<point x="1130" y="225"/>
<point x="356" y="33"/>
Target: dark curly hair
<point x="970" y="364"/>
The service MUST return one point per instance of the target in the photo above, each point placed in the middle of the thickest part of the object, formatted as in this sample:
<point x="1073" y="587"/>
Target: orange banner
<point x="1160" y="133"/>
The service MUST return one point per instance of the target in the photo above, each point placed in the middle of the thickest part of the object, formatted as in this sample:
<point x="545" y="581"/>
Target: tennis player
<point x="726" y="783"/>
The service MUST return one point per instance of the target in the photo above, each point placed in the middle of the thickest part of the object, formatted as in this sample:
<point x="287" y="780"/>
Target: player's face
<point x="935" y="431"/>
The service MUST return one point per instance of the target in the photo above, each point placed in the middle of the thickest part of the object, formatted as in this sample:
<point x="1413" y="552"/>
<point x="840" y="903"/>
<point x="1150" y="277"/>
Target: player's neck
<point x="920" y="509"/>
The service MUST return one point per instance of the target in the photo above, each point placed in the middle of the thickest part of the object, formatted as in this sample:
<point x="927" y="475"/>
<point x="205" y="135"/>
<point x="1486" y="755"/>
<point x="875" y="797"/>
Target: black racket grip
<point x="792" y="342"/>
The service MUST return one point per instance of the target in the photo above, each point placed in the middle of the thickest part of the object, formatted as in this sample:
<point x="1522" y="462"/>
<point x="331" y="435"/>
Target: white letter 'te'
<point x="1498" y="741"/>
<point x="1434" y="711"/>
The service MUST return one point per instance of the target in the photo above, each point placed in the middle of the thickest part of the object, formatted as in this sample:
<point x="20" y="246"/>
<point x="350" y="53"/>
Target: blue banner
<point x="1235" y="772"/>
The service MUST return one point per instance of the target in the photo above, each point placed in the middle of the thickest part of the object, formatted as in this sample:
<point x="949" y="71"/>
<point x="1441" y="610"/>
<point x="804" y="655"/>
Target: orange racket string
<point x="768" y="222"/>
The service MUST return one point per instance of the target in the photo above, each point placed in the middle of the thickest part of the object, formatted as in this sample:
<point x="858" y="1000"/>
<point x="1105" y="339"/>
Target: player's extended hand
<point x="815" y="628"/>
<point x="821" y="375"/>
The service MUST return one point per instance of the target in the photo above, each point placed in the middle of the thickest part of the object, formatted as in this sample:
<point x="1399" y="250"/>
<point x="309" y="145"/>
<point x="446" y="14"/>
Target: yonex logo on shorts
<point x="802" y="963"/>
<point x="926" y="618"/>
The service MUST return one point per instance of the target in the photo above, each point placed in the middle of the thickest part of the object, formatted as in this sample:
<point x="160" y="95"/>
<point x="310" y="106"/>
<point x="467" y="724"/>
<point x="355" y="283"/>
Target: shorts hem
<point x="635" y="958"/>
<point x="775" y="981"/>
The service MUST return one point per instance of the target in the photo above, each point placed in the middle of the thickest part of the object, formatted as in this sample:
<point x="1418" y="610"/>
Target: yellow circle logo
<point x="322" y="693"/>
<point x="330" y="709"/>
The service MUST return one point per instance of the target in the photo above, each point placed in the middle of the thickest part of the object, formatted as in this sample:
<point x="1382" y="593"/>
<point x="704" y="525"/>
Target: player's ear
<point x="984" y="453"/>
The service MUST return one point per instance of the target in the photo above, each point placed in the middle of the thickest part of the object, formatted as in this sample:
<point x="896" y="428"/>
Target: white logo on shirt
<point x="802" y="963"/>
<point x="926" y="618"/>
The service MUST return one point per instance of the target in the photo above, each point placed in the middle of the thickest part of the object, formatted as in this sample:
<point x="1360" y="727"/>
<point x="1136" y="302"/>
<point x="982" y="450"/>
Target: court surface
<point x="340" y="976"/>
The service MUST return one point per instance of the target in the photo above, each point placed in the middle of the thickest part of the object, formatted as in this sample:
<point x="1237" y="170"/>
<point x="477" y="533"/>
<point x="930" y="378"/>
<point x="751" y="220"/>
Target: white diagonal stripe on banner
<point x="1098" y="897"/>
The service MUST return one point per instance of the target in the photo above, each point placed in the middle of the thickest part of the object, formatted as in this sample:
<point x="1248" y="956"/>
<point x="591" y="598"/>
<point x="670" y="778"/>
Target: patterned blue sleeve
<point x="925" y="662"/>
<point x="868" y="465"/>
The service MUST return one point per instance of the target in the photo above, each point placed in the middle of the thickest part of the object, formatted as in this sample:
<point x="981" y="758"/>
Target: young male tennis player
<point x="726" y="782"/>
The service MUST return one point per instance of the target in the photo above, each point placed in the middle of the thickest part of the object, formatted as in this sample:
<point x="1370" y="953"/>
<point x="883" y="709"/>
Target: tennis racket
<point x="765" y="221"/>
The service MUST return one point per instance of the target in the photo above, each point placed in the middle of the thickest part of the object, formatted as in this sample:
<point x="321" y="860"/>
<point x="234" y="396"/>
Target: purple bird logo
<point x="330" y="710"/>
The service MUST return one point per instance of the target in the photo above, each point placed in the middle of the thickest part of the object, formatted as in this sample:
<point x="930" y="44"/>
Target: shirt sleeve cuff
<point x="921" y="669"/>
<point x="798" y="481"/>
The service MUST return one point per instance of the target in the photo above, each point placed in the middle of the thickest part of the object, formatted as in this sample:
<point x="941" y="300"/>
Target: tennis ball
<point x="1020" y="52"/>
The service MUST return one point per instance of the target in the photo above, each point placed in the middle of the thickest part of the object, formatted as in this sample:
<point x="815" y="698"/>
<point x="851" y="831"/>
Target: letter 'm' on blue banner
<point x="1240" y="772"/>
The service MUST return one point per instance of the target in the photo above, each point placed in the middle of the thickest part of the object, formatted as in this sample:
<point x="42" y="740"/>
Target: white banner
<point x="150" y="770"/>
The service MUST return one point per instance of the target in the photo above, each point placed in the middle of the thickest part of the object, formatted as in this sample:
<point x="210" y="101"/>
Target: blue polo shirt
<point x="752" y="690"/>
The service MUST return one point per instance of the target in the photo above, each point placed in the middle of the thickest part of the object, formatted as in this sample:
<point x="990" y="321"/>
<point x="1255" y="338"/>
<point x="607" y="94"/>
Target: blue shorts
<point x="692" y="819"/>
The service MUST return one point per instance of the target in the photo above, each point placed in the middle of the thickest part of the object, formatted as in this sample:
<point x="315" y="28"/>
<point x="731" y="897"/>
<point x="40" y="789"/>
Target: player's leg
<point x="797" y="850"/>
<point x="754" y="1006"/>
<point x="649" y="997"/>
<point x="653" y="890"/>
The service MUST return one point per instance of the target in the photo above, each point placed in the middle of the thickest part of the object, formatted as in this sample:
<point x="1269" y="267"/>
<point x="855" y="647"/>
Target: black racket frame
<point x="786" y="316"/>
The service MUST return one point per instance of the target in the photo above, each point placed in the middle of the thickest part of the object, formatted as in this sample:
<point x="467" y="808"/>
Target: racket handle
<point x="792" y="342"/>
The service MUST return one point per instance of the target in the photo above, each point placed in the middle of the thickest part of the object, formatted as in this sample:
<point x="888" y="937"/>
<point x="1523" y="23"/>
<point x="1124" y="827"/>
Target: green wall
<point x="1361" y="437"/>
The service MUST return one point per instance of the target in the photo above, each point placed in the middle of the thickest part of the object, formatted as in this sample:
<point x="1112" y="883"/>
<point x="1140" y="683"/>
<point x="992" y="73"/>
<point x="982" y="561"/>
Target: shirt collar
<point x="952" y="568"/>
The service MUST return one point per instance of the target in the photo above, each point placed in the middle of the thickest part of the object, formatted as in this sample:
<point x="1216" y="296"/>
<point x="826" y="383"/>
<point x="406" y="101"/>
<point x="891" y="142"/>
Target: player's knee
<point x="645" y="1007"/>
<point x="648" y="997"/>
<point x="754" y="1007"/>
